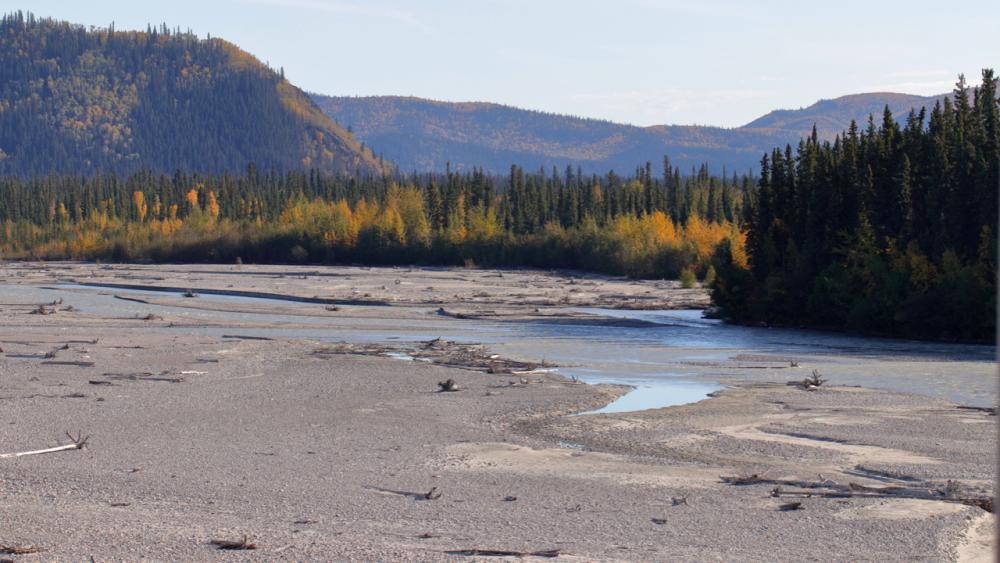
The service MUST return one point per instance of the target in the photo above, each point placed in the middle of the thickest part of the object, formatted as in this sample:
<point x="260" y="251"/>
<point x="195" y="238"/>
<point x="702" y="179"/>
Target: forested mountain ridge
<point x="833" y="117"/>
<point x="78" y="100"/>
<point x="426" y="135"/>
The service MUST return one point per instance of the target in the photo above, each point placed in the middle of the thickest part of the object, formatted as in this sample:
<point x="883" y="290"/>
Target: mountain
<point x="833" y="116"/>
<point x="78" y="100"/>
<point x="425" y="135"/>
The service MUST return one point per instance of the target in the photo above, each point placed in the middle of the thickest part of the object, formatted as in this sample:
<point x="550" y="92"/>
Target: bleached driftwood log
<point x="77" y="443"/>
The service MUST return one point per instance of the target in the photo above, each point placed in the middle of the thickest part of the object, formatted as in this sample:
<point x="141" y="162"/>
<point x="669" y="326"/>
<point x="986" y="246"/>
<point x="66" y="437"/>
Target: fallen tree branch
<point x="20" y="549"/>
<point x="242" y="337"/>
<point x="242" y="544"/>
<point x="78" y="442"/>
<point x="951" y="492"/>
<point x="133" y="299"/>
<point x="68" y="363"/>
<point x="548" y="553"/>
<point x="448" y="386"/>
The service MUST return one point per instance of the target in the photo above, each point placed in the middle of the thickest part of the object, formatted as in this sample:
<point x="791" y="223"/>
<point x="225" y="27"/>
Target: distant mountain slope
<point x="419" y="134"/>
<point x="834" y="116"/>
<point x="74" y="100"/>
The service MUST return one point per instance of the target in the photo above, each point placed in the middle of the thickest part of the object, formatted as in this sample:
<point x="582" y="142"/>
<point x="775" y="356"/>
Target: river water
<point x="669" y="357"/>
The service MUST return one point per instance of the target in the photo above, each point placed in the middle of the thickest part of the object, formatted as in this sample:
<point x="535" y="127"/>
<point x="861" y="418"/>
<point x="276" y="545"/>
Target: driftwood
<point x="950" y="492"/>
<point x="547" y="553"/>
<point x="145" y="376"/>
<point x="77" y="443"/>
<point x="448" y="386"/>
<point x="20" y="549"/>
<point x="432" y="494"/>
<point x="445" y="313"/>
<point x="241" y="337"/>
<point x="242" y="544"/>
<point x="68" y="363"/>
<point x="810" y="383"/>
<point x="441" y="352"/>
<point x="988" y="410"/>
<point x="743" y="479"/>
<point x="133" y="299"/>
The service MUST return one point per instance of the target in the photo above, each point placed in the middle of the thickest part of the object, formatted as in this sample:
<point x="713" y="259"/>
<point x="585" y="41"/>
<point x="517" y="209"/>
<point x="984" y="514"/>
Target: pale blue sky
<point x="715" y="62"/>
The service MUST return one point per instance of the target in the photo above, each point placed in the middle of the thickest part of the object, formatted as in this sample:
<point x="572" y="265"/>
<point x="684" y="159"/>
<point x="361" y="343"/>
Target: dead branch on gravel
<point x="448" y="386"/>
<point x="133" y="299"/>
<point x="241" y="337"/>
<point x="992" y="411"/>
<point x="951" y="491"/>
<point x="20" y="549"/>
<point x="810" y="383"/>
<point x="440" y="352"/>
<point x="77" y="443"/>
<point x="144" y="376"/>
<point x="242" y="544"/>
<point x="815" y="380"/>
<point x="68" y="363"/>
<point x="432" y="494"/>
<point x="444" y="313"/>
<point x="743" y="479"/>
<point x="547" y="553"/>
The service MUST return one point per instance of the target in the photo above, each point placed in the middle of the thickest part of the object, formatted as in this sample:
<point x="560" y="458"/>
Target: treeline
<point x="891" y="229"/>
<point x="75" y="100"/>
<point x="652" y="225"/>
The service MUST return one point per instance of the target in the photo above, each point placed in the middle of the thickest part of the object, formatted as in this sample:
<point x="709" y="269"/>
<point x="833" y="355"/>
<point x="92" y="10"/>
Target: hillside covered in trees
<point x="81" y="101"/>
<point x="425" y="135"/>
<point x="652" y="224"/>
<point x="888" y="229"/>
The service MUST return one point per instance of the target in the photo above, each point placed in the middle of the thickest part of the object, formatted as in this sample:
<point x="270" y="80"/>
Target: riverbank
<point x="314" y="450"/>
<point x="464" y="291"/>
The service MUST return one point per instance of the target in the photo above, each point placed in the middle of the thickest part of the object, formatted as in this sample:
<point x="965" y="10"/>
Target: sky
<point x="645" y="62"/>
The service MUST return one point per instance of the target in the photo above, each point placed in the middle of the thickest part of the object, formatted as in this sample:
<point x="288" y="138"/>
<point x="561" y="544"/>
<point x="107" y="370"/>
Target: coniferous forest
<point x="890" y="229"/>
<point x="649" y="225"/>
<point x="83" y="101"/>
<point x="158" y="145"/>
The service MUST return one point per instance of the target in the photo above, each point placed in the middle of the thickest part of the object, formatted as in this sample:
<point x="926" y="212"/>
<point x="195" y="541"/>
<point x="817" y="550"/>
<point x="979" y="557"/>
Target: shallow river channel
<point x="669" y="357"/>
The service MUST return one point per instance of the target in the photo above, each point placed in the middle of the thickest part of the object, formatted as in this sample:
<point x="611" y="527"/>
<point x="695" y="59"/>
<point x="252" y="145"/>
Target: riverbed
<point x="669" y="357"/>
<point x="304" y="409"/>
